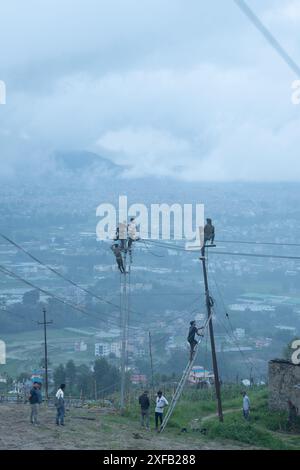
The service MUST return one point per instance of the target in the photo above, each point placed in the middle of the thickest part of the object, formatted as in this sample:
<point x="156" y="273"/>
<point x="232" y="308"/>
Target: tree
<point x="59" y="375"/>
<point x="70" y="375"/>
<point x="23" y="377"/>
<point x="105" y="375"/>
<point x="84" y="381"/>
<point x="101" y="372"/>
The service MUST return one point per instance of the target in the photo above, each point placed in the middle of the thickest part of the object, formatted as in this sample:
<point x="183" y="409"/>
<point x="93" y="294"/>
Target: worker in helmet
<point x="193" y="331"/>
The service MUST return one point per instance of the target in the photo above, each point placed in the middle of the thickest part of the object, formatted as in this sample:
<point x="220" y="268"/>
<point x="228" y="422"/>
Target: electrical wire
<point x="50" y="294"/>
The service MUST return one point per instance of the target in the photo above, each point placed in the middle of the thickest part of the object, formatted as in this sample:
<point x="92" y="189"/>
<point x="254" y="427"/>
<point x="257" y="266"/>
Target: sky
<point x="188" y="89"/>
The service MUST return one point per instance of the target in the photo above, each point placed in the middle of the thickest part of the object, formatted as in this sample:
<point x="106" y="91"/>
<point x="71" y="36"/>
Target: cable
<point x="232" y="334"/>
<point x="19" y="247"/>
<point x="50" y="294"/>
<point x="87" y="291"/>
<point x="255" y="255"/>
<point x="151" y="252"/>
<point x="246" y="359"/>
<point x="257" y="243"/>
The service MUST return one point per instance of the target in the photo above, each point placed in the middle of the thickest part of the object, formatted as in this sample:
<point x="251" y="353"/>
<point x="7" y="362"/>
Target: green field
<point x="25" y="350"/>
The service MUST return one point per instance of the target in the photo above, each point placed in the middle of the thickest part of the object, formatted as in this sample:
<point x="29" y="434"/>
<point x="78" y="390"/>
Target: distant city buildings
<point x="104" y="349"/>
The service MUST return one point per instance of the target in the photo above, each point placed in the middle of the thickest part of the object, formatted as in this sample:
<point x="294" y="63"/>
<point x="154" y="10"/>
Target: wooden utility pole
<point x="45" y="323"/>
<point x="209" y="304"/>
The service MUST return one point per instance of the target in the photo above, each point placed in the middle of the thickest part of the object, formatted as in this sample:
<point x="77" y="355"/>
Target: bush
<point x="236" y="428"/>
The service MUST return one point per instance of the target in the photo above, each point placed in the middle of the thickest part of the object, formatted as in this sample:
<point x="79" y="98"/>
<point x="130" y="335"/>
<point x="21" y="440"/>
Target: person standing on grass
<point x="246" y="406"/>
<point x="35" y="398"/>
<point x="161" y="402"/>
<point x="60" y="405"/>
<point x="145" y="405"/>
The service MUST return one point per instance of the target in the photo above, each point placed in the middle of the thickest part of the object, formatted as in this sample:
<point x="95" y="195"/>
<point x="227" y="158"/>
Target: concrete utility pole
<point x="151" y="363"/>
<point x="45" y="323"/>
<point x="209" y="305"/>
<point x="123" y="309"/>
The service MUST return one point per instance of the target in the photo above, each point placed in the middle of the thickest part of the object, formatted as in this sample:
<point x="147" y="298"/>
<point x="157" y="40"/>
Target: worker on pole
<point x="209" y="234"/>
<point x="117" y="251"/>
<point x="132" y="237"/>
<point x="193" y="331"/>
<point x="121" y="234"/>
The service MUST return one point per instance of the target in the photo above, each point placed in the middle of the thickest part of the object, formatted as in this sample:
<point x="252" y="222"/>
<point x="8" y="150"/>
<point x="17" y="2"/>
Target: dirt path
<point x="90" y="429"/>
<point x="215" y="415"/>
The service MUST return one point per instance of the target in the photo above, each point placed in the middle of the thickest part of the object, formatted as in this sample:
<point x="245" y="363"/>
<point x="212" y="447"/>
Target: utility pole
<point x="124" y="328"/>
<point x="45" y="323"/>
<point x="151" y="363"/>
<point x="209" y="305"/>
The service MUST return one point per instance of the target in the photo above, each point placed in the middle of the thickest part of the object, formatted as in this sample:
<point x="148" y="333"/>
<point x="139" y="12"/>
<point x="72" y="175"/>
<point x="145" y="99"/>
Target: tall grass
<point x="261" y="431"/>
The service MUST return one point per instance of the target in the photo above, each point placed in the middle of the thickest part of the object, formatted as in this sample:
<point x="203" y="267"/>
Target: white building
<point x="239" y="333"/>
<point x="104" y="349"/>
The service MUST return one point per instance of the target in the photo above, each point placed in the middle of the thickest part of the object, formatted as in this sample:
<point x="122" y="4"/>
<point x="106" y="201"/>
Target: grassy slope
<point x="265" y="429"/>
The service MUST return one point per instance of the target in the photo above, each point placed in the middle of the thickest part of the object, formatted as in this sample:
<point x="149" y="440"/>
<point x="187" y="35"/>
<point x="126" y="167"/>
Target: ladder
<point x="181" y="384"/>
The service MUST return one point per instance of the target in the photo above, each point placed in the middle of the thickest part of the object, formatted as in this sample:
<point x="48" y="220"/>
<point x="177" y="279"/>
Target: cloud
<point x="148" y="151"/>
<point x="285" y="13"/>
<point x="159" y="87"/>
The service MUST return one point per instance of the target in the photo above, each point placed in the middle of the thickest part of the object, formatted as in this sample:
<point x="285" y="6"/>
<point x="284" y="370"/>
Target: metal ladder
<point x="182" y="382"/>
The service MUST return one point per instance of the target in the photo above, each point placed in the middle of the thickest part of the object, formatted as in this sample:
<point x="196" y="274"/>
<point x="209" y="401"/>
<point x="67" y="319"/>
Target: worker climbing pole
<point x="209" y="235"/>
<point x="124" y="332"/>
<point x="184" y="378"/>
<point x="125" y="236"/>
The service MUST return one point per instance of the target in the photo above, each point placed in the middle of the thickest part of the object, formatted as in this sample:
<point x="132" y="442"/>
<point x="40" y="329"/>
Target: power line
<point x="246" y="242"/>
<point x="256" y="255"/>
<point x="224" y="326"/>
<point x="65" y="278"/>
<point x="50" y="294"/>
<point x="87" y="291"/>
<point x="173" y="244"/>
<point x="268" y="36"/>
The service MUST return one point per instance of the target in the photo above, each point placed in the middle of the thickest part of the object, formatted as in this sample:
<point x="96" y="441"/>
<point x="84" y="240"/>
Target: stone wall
<point x="284" y="384"/>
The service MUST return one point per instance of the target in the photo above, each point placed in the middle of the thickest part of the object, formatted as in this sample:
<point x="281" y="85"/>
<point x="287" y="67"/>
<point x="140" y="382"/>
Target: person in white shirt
<point x="161" y="402"/>
<point x="246" y="405"/>
<point x="131" y="233"/>
<point x="60" y="405"/>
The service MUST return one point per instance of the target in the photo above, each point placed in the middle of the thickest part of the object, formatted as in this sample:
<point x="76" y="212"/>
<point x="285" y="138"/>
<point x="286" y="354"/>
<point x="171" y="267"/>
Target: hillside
<point x="90" y="429"/>
<point x="96" y="427"/>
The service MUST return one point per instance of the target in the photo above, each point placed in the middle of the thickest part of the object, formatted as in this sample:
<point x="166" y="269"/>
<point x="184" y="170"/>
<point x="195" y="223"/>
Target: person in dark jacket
<point x="209" y="234"/>
<point x="193" y="331"/>
<point x="145" y="412"/>
<point x="116" y="249"/>
<point x="35" y="398"/>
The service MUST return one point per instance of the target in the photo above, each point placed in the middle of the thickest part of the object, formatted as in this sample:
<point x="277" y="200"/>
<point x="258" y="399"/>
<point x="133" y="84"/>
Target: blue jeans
<point x="158" y="417"/>
<point x="60" y="415"/>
